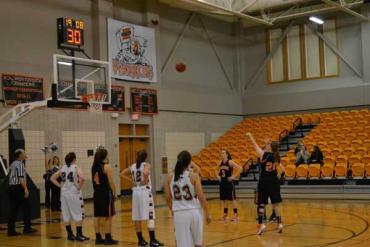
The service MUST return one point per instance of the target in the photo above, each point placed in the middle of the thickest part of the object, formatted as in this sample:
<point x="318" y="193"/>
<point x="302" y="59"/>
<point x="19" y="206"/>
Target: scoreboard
<point x="70" y="34"/>
<point x="144" y="101"/>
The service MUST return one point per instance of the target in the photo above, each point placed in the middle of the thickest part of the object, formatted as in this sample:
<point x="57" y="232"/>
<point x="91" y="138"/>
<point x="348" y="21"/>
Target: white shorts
<point x="72" y="207"/>
<point x="189" y="227"/>
<point x="142" y="204"/>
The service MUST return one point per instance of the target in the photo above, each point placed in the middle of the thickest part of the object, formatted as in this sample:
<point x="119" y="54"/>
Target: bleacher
<point x="343" y="137"/>
<point x="236" y="142"/>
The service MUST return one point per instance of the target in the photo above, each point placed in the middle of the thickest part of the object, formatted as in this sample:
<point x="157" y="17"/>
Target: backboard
<point x="77" y="77"/>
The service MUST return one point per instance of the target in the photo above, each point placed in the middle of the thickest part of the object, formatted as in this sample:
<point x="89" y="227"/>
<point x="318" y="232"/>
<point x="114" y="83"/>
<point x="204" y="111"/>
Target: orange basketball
<point x="180" y="67"/>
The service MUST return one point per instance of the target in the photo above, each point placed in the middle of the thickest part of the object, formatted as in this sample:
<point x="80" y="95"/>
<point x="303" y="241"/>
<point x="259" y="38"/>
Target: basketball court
<point x="221" y="79"/>
<point x="307" y="223"/>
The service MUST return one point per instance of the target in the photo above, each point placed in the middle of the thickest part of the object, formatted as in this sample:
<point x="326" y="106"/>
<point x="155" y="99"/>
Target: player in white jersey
<point x="185" y="198"/>
<point x="142" y="198"/>
<point x="71" y="197"/>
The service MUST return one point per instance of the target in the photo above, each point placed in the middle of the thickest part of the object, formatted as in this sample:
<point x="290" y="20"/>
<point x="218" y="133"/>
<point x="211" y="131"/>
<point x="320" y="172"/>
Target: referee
<point x="19" y="195"/>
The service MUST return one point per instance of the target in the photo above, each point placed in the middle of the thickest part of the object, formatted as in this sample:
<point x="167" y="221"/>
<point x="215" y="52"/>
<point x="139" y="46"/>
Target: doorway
<point x="132" y="138"/>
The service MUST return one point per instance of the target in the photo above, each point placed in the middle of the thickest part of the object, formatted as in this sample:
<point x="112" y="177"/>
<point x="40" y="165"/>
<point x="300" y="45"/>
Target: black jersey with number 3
<point x="226" y="171"/>
<point x="99" y="178"/>
<point x="268" y="166"/>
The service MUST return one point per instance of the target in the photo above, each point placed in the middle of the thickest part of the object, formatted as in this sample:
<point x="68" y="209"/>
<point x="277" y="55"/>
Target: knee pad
<point x="151" y="224"/>
<point x="261" y="209"/>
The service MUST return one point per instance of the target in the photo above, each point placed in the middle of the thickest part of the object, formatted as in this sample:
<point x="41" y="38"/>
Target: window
<point x="302" y="55"/>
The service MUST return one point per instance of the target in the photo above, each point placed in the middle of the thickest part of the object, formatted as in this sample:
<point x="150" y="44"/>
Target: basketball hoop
<point x="95" y="101"/>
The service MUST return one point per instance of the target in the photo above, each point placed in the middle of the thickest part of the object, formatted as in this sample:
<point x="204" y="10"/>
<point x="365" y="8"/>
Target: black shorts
<point x="227" y="191"/>
<point x="268" y="188"/>
<point x="104" y="204"/>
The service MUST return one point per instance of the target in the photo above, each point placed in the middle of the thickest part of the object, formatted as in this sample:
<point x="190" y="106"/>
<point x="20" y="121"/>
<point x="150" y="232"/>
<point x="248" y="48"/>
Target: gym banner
<point x="132" y="51"/>
<point x="18" y="89"/>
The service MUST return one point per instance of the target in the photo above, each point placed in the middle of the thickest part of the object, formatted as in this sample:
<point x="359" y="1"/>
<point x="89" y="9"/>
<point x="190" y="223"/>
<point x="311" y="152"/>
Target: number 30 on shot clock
<point x="70" y="34"/>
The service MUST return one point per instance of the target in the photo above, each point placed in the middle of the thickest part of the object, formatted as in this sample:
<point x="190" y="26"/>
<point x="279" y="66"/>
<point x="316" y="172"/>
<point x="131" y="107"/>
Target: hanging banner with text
<point x="132" y="51"/>
<point x="18" y="89"/>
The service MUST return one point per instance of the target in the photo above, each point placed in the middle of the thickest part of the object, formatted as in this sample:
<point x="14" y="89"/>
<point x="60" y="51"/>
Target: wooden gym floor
<point x="310" y="223"/>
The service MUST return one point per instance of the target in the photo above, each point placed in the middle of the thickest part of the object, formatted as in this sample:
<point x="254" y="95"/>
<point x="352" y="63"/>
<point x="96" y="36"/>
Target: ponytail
<point x="70" y="157"/>
<point x="100" y="156"/>
<point x="183" y="162"/>
<point x="228" y="154"/>
<point x="275" y="148"/>
<point x="140" y="158"/>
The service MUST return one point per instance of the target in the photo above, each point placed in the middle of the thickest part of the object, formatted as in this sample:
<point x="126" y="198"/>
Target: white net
<point x="95" y="101"/>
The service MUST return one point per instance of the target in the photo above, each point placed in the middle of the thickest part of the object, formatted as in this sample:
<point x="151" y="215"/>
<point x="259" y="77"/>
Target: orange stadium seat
<point x="366" y="143"/>
<point x="290" y="171"/>
<point x="361" y="151"/>
<point x="342" y="158"/>
<point x="348" y="150"/>
<point x="358" y="170"/>
<point x="365" y="159"/>
<point x="285" y="161"/>
<point x="362" y="136"/>
<point x="302" y="171"/>
<point x="329" y="159"/>
<point x="314" y="171"/>
<point x="356" y="143"/>
<point x="336" y="151"/>
<point x="344" y="143"/>
<point x="326" y="151"/>
<point x="327" y="170"/>
<point x="354" y="159"/>
<point x="351" y="136"/>
<point x="341" y="170"/>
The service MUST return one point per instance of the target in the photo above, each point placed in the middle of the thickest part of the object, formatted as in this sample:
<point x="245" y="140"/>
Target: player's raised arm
<point x="258" y="149"/>
<point x="201" y="197"/>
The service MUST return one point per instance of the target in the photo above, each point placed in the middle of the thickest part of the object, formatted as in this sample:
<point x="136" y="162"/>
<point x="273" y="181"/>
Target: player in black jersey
<point x="104" y="196"/>
<point x="268" y="184"/>
<point x="227" y="186"/>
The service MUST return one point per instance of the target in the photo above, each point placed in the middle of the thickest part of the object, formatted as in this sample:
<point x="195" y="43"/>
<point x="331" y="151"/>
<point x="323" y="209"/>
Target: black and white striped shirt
<point x="16" y="171"/>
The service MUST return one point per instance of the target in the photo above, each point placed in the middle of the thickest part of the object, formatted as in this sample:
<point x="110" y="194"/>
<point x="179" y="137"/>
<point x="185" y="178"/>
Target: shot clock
<point x="70" y="34"/>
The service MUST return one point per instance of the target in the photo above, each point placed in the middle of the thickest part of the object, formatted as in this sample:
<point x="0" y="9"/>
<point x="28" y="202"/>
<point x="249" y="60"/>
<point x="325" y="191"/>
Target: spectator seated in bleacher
<point x="300" y="144"/>
<point x="302" y="156"/>
<point x="316" y="156"/>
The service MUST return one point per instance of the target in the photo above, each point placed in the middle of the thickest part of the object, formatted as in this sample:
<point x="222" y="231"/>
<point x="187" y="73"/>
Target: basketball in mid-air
<point x="180" y="67"/>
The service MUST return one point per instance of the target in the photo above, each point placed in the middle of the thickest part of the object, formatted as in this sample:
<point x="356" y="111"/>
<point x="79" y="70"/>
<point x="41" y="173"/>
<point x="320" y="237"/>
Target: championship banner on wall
<point x="132" y="51"/>
<point x="18" y="89"/>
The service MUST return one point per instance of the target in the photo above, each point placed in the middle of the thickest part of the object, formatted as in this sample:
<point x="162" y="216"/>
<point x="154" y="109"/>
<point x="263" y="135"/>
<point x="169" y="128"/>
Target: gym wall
<point x="202" y="88"/>
<point x="347" y="89"/>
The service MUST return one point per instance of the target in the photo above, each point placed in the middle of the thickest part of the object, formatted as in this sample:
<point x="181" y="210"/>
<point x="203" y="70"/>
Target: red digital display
<point x="70" y="34"/>
<point x="73" y="36"/>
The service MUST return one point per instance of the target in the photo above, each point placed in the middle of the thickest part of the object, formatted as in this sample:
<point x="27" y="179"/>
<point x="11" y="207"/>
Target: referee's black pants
<point x="55" y="198"/>
<point x="16" y="202"/>
<point x="47" y="193"/>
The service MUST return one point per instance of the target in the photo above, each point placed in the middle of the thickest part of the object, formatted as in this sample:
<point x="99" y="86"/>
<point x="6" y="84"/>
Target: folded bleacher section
<point x="343" y="137"/>
<point x="235" y="141"/>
